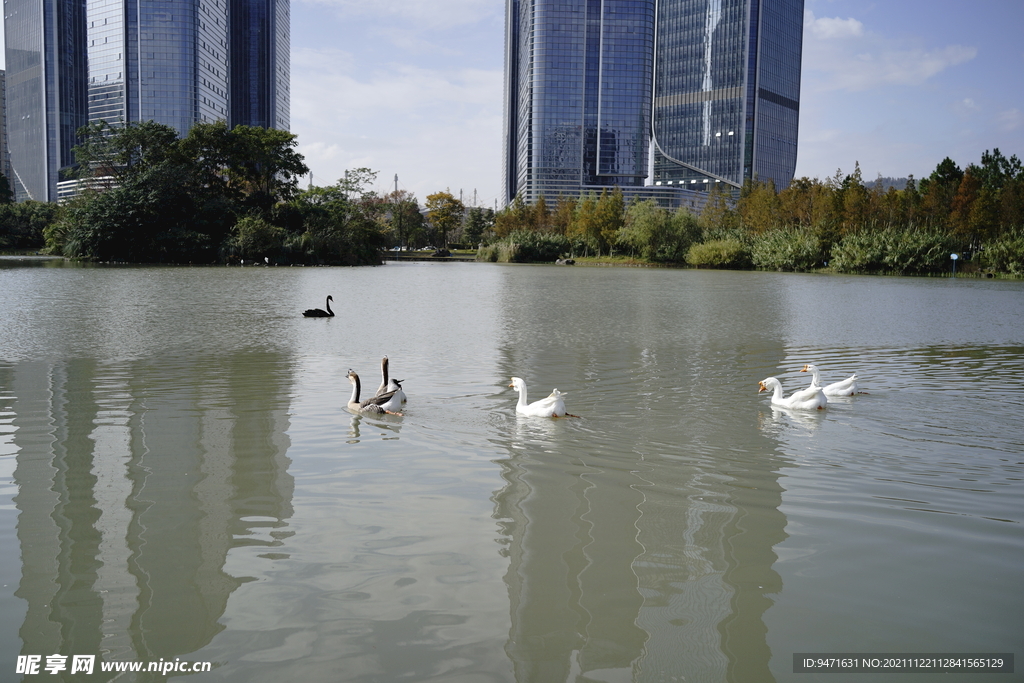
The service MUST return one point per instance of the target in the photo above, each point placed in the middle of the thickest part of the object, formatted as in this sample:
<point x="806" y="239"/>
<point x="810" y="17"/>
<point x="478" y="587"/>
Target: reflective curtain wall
<point x="257" y="77"/>
<point x="591" y="84"/>
<point x="577" y="95"/>
<point x="70" y="62"/>
<point x="45" y="52"/>
<point x="727" y="91"/>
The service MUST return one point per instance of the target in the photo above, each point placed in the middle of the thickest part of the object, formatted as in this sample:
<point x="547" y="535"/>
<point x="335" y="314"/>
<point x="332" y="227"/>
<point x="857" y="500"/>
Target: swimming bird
<point x="319" y="312"/>
<point x="552" y="406"/>
<point x="811" y="398"/>
<point x="846" y="387"/>
<point x="376" y="405"/>
<point x="394" y="385"/>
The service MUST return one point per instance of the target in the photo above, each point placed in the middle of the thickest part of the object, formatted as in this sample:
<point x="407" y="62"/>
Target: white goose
<point x="846" y="387"/>
<point x="552" y="406"/>
<point x="393" y="385"/>
<point x="811" y="398"/>
<point x="376" y="405"/>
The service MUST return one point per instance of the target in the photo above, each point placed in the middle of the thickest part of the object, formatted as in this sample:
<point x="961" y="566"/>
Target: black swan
<point x="319" y="312"/>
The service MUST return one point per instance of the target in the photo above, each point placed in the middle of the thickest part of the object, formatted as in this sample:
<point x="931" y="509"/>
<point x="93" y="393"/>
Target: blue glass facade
<point x="259" y="63"/>
<point x="710" y="88"/>
<point x="46" y="66"/>
<point x="577" y="95"/>
<point x="176" y="62"/>
<point x="727" y="91"/>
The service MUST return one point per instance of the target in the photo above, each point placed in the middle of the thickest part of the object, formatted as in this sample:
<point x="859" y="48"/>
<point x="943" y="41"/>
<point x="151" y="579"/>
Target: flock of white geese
<point x="814" y="397"/>
<point x="390" y="396"/>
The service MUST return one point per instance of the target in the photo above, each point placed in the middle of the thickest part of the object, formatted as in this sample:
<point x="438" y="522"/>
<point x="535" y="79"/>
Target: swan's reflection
<point x="388" y="423"/>
<point x="781" y="417"/>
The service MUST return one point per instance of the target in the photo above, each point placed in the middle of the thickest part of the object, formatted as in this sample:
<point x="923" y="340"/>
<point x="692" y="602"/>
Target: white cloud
<point x="435" y="126"/>
<point x="831" y="29"/>
<point x="842" y="55"/>
<point x="423" y="13"/>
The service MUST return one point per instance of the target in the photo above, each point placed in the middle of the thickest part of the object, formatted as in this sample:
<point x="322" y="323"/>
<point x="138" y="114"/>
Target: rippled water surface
<point x="180" y="478"/>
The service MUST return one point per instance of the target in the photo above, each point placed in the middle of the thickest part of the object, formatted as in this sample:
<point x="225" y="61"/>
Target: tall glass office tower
<point x="176" y="62"/>
<point x="649" y="95"/>
<point x="46" y="104"/>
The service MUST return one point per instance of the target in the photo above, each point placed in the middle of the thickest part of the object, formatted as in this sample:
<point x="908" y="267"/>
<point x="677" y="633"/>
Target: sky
<point x="413" y="88"/>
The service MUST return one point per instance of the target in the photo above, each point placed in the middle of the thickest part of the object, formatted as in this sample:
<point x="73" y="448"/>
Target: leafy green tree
<point x="718" y="218"/>
<point x="22" y="225"/>
<point x="445" y="214"/>
<point x="759" y="206"/>
<point x="478" y="221"/>
<point x="404" y="218"/>
<point x="121" y="150"/>
<point x="645" y="229"/>
<point x="937" y="192"/>
<point x="255" y="167"/>
<point x="257" y="238"/>
<point x="563" y="215"/>
<point x="516" y="216"/>
<point x="610" y="212"/>
<point x="585" y="229"/>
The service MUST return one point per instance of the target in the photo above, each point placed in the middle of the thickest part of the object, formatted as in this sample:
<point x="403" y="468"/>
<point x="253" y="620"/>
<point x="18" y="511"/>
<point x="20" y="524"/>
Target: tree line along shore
<point x="840" y="224"/>
<point x="222" y="195"/>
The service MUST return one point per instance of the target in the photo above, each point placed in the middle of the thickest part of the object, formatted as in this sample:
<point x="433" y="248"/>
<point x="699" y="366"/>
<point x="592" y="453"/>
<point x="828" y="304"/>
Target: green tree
<point x="256" y="167"/>
<point x="121" y="150"/>
<point x="478" y="221"/>
<point x="22" y="225"/>
<point x="610" y="216"/>
<point x="759" y="206"/>
<point x="404" y="218"/>
<point x="445" y="214"/>
<point x="718" y="218"/>
<point x="937" y="192"/>
<point x="585" y="229"/>
<point x="645" y="229"/>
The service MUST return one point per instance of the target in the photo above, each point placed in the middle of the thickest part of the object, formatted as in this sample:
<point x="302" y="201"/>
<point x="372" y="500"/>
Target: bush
<point x="900" y="252"/>
<point x="788" y="249"/>
<point x="22" y="225"/>
<point x="255" y="237"/>
<point x="727" y="253"/>
<point x="1005" y="254"/>
<point x="526" y="247"/>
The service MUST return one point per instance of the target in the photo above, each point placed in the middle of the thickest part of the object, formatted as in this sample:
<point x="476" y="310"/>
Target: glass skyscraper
<point x="649" y="95"/>
<point x="176" y="62"/>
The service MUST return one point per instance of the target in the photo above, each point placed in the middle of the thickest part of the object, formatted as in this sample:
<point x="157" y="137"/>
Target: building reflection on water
<point x="132" y="488"/>
<point x="640" y="548"/>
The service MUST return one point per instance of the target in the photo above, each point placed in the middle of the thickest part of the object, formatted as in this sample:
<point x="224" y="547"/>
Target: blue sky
<point x="413" y="88"/>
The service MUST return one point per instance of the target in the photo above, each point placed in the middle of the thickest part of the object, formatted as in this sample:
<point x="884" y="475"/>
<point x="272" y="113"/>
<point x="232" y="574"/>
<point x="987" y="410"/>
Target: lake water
<point x="181" y="479"/>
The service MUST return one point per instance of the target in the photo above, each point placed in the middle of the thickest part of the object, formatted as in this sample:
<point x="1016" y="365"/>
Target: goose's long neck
<point x="355" y="390"/>
<point x="384" y="373"/>
<point x="329" y="311"/>
<point x="522" y="396"/>
<point x="815" y="376"/>
<point x="776" y="391"/>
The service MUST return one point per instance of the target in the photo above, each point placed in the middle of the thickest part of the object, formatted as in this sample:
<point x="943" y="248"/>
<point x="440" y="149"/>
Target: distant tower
<point x="71" y="62"/>
<point x="46" y="80"/>
<point x="260" y="65"/>
<point x="597" y="92"/>
<point x="5" y="157"/>
<point x="727" y="91"/>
